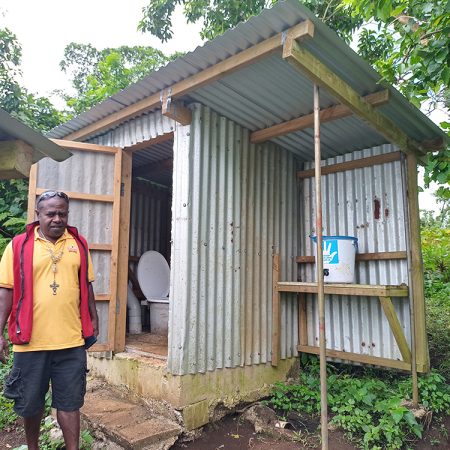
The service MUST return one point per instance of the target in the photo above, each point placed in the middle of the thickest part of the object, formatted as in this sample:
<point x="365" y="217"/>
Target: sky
<point x="45" y="27"/>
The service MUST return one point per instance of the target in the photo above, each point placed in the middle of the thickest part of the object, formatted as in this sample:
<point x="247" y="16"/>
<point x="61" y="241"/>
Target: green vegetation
<point x="370" y="406"/>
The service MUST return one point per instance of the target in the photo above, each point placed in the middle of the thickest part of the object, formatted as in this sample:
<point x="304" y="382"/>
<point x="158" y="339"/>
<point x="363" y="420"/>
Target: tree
<point x="99" y="74"/>
<point x="220" y="15"/>
<point x="36" y="112"/>
<point x="408" y="44"/>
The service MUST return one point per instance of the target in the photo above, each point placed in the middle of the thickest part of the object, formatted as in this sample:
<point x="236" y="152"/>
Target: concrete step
<point x="120" y="421"/>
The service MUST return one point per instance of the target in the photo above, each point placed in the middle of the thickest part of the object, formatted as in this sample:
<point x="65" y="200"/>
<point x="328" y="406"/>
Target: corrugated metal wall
<point x="150" y="219"/>
<point x="234" y="205"/>
<point x="367" y="203"/>
<point x="140" y="129"/>
<point x="88" y="173"/>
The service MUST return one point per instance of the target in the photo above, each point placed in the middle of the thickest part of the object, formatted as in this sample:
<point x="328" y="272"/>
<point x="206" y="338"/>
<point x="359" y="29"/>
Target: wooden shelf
<point x="344" y="289"/>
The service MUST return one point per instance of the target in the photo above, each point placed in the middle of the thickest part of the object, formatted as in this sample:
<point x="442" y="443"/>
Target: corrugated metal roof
<point x="11" y="129"/>
<point x="271" y="91"/>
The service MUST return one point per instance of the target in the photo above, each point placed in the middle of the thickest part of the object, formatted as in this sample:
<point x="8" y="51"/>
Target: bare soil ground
<point x="234" y="434"/>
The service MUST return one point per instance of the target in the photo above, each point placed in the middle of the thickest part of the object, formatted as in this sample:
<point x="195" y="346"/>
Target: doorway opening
<point x="149" y="250"/>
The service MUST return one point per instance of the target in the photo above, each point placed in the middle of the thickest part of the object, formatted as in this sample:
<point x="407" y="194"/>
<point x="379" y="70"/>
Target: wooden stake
<point x="319" y="275"/>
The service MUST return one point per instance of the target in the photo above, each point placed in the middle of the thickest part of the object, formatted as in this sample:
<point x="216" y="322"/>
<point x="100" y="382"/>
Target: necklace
<point x="55" y="256"/>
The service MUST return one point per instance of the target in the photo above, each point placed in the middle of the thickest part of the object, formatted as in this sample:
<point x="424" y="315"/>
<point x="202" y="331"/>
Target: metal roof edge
<point x="41" y="145"/>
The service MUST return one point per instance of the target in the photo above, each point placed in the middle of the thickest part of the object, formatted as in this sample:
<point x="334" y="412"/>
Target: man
<point x="46" y="292"/>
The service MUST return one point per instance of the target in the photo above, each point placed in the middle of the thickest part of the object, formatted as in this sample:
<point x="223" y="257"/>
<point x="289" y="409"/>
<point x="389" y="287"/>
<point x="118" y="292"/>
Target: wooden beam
<point x="307" y="121"/>
<point x="357" y="357"/>
<point x="31" y="214"/>
<point x="147" y="144"/>
<point x="100" y="247"/>
<point x="75" y="145"/>
<point x="369" y="290"/>
<point x="16" y="158"/>
<point x="417" y="280"/>
<point x="175" y="110"/>
<point x="276" y="313"/>
<point x="354" y="164"/>
<point x="302" y="320"/>
<point x="154" y="168"/>
<point x="319" y="73"/>
<point x="248" y="56"/>
<point x="82" y="196"/>
<point x="123" y="251"/>
<point x="381" y="256"/>
<point x="396" y="328"/>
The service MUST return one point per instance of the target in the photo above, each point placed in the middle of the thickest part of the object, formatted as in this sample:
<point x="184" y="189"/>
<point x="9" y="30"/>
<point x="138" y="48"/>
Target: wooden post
<point x="319" y="275"/>
<point x="419" y="344"/>
<point x="123" y="243"/>
<point x="302" y="320"/>
<point x="275" y="310"/>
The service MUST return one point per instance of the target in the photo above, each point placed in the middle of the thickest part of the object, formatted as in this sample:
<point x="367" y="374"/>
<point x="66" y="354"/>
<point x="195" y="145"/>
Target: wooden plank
<point x="307" y="121"/>
<point x="319" y="73"/>
<point x="16" y="158"/>
<point x="102" y="297"/>
<point x="32" y="193"/>
<point x="380" y="256"/>
<point x="99" y="348"/>
<point x="302" y="319"/>
<point x="115" y="306"/>
<point x="100" y="247"/>
<point x="396" y="328"/>
<point x="356" y="357"/>
<point x="82" y="196"/>
<point x="84" y="146"/>
<point x="175" y="110"/>
<point x="344" y="289"/>
<point x="148" y="143"/>
<point x="123" y="250"/>
<point x="351" y="165"/>
<point x="248" y="56"/>
<point x="276" y="314"/>
<point x="417" y="281"/>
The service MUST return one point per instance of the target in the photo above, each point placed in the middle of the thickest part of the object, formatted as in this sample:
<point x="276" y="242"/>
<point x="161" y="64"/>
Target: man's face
<point x="53" y="214"/>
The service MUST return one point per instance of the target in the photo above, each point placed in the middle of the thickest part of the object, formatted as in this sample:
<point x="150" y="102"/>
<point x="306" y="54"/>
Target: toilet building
<point x="208" y="163"/>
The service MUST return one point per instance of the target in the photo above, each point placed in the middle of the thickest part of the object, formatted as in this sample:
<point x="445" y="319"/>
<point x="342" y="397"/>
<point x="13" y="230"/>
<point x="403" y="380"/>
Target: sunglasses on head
<point x="50" y="194"/>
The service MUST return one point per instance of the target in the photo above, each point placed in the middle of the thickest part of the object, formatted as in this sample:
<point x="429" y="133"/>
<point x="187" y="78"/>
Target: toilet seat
<point x="153" y="274"/>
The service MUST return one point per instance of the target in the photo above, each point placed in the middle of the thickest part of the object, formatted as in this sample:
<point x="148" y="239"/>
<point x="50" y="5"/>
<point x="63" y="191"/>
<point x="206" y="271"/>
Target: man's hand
<point x="6" y="300"/>
<point x="4" y="350"/>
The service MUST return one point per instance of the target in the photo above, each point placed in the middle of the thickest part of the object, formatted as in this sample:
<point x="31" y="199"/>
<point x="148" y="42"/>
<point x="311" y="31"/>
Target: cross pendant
<point x="54" y="286"/>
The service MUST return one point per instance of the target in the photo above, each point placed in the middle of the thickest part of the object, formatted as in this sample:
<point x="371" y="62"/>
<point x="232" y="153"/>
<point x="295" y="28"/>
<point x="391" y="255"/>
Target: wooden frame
<point x="113" y="248"/>
<point x="417" y="280"/>
<point x="308" y="64"/>
<point x="307" y="121"/>
<point x="354" y="164"/>
<point x="74" y="145"/>
<point x="248" y="56"/>
<point x="383" y="292"/>
<point x="360" y="257"/>
<point x="123" y="251"/>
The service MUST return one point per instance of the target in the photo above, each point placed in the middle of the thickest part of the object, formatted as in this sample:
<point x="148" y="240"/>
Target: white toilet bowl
<point x="153" y="274"/>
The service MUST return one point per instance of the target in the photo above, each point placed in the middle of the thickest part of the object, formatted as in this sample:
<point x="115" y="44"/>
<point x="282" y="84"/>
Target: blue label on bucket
<point x="330" y="251"/>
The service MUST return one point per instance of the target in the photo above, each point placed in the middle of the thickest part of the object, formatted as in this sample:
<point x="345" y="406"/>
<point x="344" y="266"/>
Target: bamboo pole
<point x="319" y="275"/>
<point x="406" y="174"/>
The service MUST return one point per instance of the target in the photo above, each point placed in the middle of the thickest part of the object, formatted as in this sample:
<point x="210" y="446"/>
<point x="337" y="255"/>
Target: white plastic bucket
<point x="338" y="258"/>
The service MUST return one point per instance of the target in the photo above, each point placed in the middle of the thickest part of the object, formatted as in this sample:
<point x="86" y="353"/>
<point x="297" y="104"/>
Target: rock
<point x="262" y="417"/>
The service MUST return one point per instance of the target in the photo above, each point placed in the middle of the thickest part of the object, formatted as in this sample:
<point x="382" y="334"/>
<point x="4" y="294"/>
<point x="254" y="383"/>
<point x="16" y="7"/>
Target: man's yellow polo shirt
<point x="56" y="318"/>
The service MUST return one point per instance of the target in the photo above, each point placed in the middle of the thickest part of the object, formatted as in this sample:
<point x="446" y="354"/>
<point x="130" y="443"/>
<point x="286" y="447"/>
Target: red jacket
<point x="20" y="321"/>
